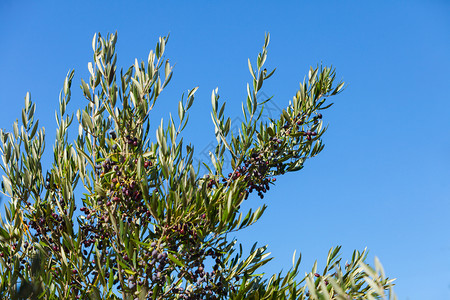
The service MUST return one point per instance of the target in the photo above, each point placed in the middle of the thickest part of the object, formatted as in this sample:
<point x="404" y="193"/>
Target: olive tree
<point x="125" y="214"/>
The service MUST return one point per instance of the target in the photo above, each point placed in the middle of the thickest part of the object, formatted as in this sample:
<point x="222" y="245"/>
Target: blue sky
<point x="382" y="181"/>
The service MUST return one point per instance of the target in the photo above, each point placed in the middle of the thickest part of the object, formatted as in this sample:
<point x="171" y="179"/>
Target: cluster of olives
<point x="211" y="182"/>
<point x="122" y="193"/>
<point x="184" y="243"/>
<point x="258" y="170"/>
<point x="255" y="171"/>
<point x="131" y="140"/>
<point x="94" y="233"/>
<point x="186" y="231"/>
<point x="153" y="269"/>
<point x="50" y="227"/>
<point x="105" y="167"/>
<point x="258" y="167"/>
<point x="300" y="120"/>
<point x="309" y="134"/>
<point x="261" y="164"/>
<point x="210" y="285"/>
<point x="156" y="267"/>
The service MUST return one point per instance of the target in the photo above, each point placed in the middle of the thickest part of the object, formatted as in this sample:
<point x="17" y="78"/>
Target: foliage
<point x="151" y="226"/>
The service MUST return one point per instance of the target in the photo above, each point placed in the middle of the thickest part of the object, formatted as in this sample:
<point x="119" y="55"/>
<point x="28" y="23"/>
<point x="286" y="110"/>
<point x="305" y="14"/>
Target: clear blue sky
<point x="383" y="180"/>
